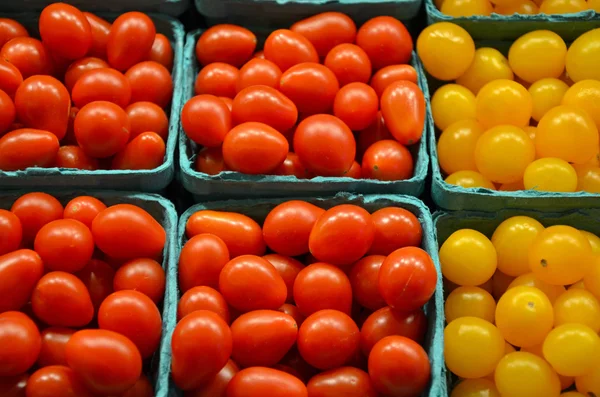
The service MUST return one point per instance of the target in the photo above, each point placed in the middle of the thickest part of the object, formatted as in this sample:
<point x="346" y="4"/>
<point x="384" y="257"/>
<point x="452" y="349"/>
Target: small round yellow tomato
<point x="503" y="102"/>
<point x="568" y="133"/>
<point x="585" y="95"/>
<point x="594" y="241"/>
<point x="550" y="175"/>
<point x="469" y="179"/>
<point x="524" y="316"/>
<point x="583" y="57"/>
<point x="456" y="146"/>
<point x="512" y="239"/>
<point x="488" y="65"/>
<point x="552" y="292"/>
<point x="592" y="279"/>
<point x="560" y="255"/>
<point x="466" y="8"/>
<point x="546" y="94"/>
<point x="577" y="285"/>
<point x="472" y="347"/>
<point x="525" y="7"/>
<point x="537" y="55"/>
<point x="500" y="283"/>
<point x="468" y="258"/>
<point x="522" y="374"/>
<point x="563" y="6"/>
<point x="588" y="178"/>
<point x="572" y="349"/>
<point x="452" y="103"/>
<point x="594" y="5"/>
<point x="475" y="388"/>
<point x="589" y="384"/>
<point x="577" y="306"/>
<point x="470" y="302"/>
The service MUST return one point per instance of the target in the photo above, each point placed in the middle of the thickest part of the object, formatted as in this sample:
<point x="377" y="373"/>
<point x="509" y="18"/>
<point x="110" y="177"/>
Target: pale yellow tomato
<point x="503" y="102"/>
<point x="588" y="178"/>
<point x="488" y="65"/>
<point x="468" y="258"/>
<point x="594" y="241"/>
<point x="577" y="306"/>
<point x="452" y="103"/>
<point x="589" y="384"/>
<point x="572" y="349"/>
<point x="525" y="7"/>
<point x="594" y="5"/>
<point x="530" y="280"/>
<point x="456" y="146"/>
<point x="592" y="279"/>
<point x="583" y="57"/>
<point x="469" y="179"/>
<point x="585" y="95"/>
<point x="546" y="94"/>
<point x="563" y="6"/>
<point x="530" y="130"/>
<point x="470" y="302"/>
<point x="466" y="8"/>
<point x="475" y="388"/>
<point x="577" y="285"/>
<point x="550" y="175"/>
<point x="522" y="374"/>
<point x="512" y="240"/>
<point x="537" y="55"/>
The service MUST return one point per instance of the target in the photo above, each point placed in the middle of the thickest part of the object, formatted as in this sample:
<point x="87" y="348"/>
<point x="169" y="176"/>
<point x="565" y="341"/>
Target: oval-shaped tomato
<point x="258" y="72"/>
<point x="100" y="30"/>
<point x="147" y="116"/>
<point x="261" y="381"/>
<point x="7" y="112"/>
<point x="403" y="109"/>
<point x="34" y="210"/>
<point x="20" y="271"/>
<point x="265" y="105"/>
<point x="356" y="104"/>
<point x="11" y="232"/>
<point x="395" y="228"/>
<point x="102" y="84"/>
<point x="217" y="386"/>
<point x="14" y="386"/>
<point x="28" y="55"/>
<point x="54" y="344"/>
<point x="143" y="275"/>
<point x="241" y="234"/>
<point x="65" y="244"/>
<point x="151" y="82"/>
<point x="326" y="30"/>
<point x="387" y="322"/>
<point x="106" y="362"/>
<point x="217" y="79"/>
<point x="27" y="147"/>
<point x="364" y="278"/>
<point x="286" y="48"/>
<point x="374" y="133"/>
<point x="390" y="74"/>
<point x="349" y="63"/>
<point x="322" y="286"/>
<point x="98" y="278"/>
<point x="328" y="339"/>
<point x="20" y="343"/>
<point x="130" y="40"/>
<point x="9" y="29"/>
<point x="201" y="260"/>
<point x="62" y="23"/>
<point x="206" y="120"/>
<point x="162" y="51"/>
<point x="225" y="43"/>
<point x="254" y="148"/>
<point x="386" y="41"/>
<point x="125" y="231"/>
<point x="325" y="145"/>
<point x="74" y="157"/>
<point x="84" y="209"/>
<point x="55" y="380"/>
<point x="42" y="102"/>
<point x="344" y="381"/>
<point x="201" y="346"/>
<point x="203" y="298"/>
<point x="311" y="86"/>
<point x="144" y="152"/>
<point x="292" y="166"/>
<point x="101" y="129"/>
<point x="262" y="337"/>
<point x="250" y="282"/>
<point x="407" y="278"/>
<point x="293" y="311"/>
<point x="142" y="388"/>
<point x="342" y="235"/>
<point x="210" y="161"/>
<point x="10" y="78"/>
<point x="288" y="268"/>
<point x="387" y="160"/>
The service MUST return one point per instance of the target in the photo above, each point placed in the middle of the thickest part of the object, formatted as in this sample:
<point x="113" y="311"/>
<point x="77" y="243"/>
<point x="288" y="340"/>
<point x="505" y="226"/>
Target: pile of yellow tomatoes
<point x="466" y="8"/>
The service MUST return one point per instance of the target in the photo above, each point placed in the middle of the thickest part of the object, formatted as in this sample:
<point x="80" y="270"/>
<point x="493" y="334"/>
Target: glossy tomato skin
<point x="390" y="74"/>
<point x="28" y="55"/>
<point x="344" y="381"/>
<point x="321" y="286"/>
<point x="34" y="210"/>
<point x="356" y="104"/>
<point x="395" y="228"/>
<point x="325" y="145"/>
<point x="144" y="275"/>
<point x="286" y="48"/>
<point x="147" y="116"/>
<point x="106" y="362"/>
<point x="84" y="209"/>
<point x="11" y="232"/>
<point x="217" y="386"/>
<point x="349" y="63"/>
<point x="102" y="84"/>
<point x="288" y="268"/>
<point x="130" y="40"/>
<point x="27" y="147"/>
<point x="387" y="160"/>
<point x="206" y="120"/>
<point x="386" y="40"/>
<point x="14" y="386"/>
<point x="201" y="260"/>
<point x="261" y="381"/>
<point x="124" y="231"/>
<point x="9" y="29"/>
<point x="376" y="132"/>
<point x="55" y="380"/>
<point x="74" y="157"/>
<point x="225" y="43"/>
<point x="151" y="82"/>
<point x="54" y="344"/>
<point x="287" y="227"/>
<point x="20" y="270"/>
<point x="387" y="322"/>
<point x="203" y="298"/>
<point x="98" y="278"/>
<point x="218" y="79"/>
<point x="62" y="23"/>
<point x="311" y="86"/>
<point x="354" y="171"/>
<point x="241" y="234"/>
<point x="250" y="282"/>
<point x="326" y="30"/>
<point x="292" y="166"/>
<point x="7" y="112"/>
<point x="254" y="148"/>
<point x="102" y="129"/>
<point x="294" y="312"/>
<point x="266" y="105"/>
<point x="10" y="78"/>
<point x="258" y="72"/>
<point x="342" y="235"/>
<point x="64" y="244"/>
<point x="144" y="152"/>
<point x="100" y="30"/>
<point x="201" y="346"/>
<point x="364" y="278"/>
<point x="20" y="343"/>
<point x="403" y="109"/>
<point x="162" y="51"/>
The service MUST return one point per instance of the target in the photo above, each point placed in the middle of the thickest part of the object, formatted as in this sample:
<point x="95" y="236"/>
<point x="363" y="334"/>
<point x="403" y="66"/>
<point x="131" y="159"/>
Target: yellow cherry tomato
<point x="472" y="347"/>
<point x="456" y="146"/>
<point x="560" y="255"/>
<point x="550" y="175"/>
<point x="466" y="8"/>
<point x="583" y="57"/>
<point x="475" y="388"/>
<point x="572" y="349"/>
<point x="512" y="239"/>
<point x="488" y="65"/>
<point x="530" y="130"/>
<point x="552" y="292"/>
<point x="470" y="302"/>
<point x="452" y="103"/>
<point x="577" y="285"/>
<point x="500" y="283"/>
<point x="594" y="5"/>
<point x="468" y="258"/>
<point x="589" y="384"/>
<point x="522" y="374"/>
<point x="592" y="279"/>
<point x="594" y="241"/>
<point x="563" y="6"/>
<point x="469" y="179"/>
<point x="512" y="187"/>
<point x="577" y="306"/>
<point x="537" y="55"/>
<point x="546" y="94"/>
<point x="446" y="50"/>
<point x="524" y="316"/>
<point x="567" y="132"/>
<point x="503" y="102"/>
<point x="585" y="95"/>
<point x="588" y="178"/>
<point x="525" y="7"/>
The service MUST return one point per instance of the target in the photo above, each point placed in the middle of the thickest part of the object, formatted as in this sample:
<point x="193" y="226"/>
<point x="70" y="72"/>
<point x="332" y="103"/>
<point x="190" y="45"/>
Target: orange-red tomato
<point x="293" y="311"/>
<point x="54" y="344"/>
<point x="261" y="381"/>
<point x="210" y="161"/>
<point x="403" y="109"/>
<point x="80" y="67"/>
<point x="9" y="29"/>
<point x="265" y="105"/>
<point x="147" y="116"/>
<point x="11" y="232"/>
<point x="258" y="71"/>
<point x="217" y="385"/>
<point x="387" y="160"/>
<point x="20" y="343"/>
<point x="55" y="380"/>
<point x="292" y="166"/>
<point x="143" y="275"/>
<point x="354" y="171"/>
<point x="10" y="77"/>
<point x="286" y="48"/>
<point x="61" y="24"/>
<point x="326" y="30"/>
<point x="386" y="41"/>
<point x="7" y="112"/>
<point x="203" y="298"/>
<point x="84" y="209"/>
<point x="100" y="31"/>
<point x="225" y="43"/>
<point x="311" y="86"/>
<point x="387" y="322"/>
<point x="102" y="129"/>
<point x="356" y="104"/>
<point x="364" y="278"/>
<point x="219" y="79"/>
<point x="64" y="244"/>
<point x="201" y="260"/>
<point x="130" y="40"/>
<point x="20" y="271"/>
<point x="28" y="55"/>
<point x="102" y="84"/>
<point x="27" y="147"/>
<point x="150" y="82"/>
<point x="322" y="286"/>
<point x="395" y="228"/>
<point x="142" y="388"/>
<point x="98" y="277"/>
<point x="206" y="120"/>
<point x="344" y="381"/>
<point x="349" y="63"/>
<point x="390" y="74"/>
<point x="161" y="51"/>
<point x="144" y="152"/>
<point x="34" y="210"/>
<point x="288" y="268"/>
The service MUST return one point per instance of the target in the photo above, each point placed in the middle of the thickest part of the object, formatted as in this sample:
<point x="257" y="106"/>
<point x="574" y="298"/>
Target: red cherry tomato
<point x="203" y="298"/>
<point x="10" y="77"/>
<point x="11" y="232"/>
<point x="328" y="339"/>
<point x="201" y="260"/>
<point x="102" y="129"/>
<point x="356" y="104"/>
<point x="150" y="82"/>
<point x="326" y="30"/>
<point x="258" y="71"/>
<point x="100" y="30"/>
<point x="201" y="346"/>
<point x="55" y="380"/>
<point x="225" y="43"/>
<point x="286" y="48"/>
<point x="294" y="312"/>
<point x="254" y="148"/>
<point x="407" y="278"/>
<point x="398" y="366"/>
<point x="210" y="161"/>
<point x="266" y="105"/>
<point x="130" y="40"/>
<point x="342" y="235"/>
<point x="387" y="160"/>
<point x="65" y="244"/>
<point x="106" y="362"/>
<point x="147" y="116"/>
<point x="28" y="55"/>
<point x="143" y="275"/>
<point x="325" y="145"/>
<point x="144" y="152"/>
<point x="260" y="381"/>
<point x="387" y="322"/>
<point x="102" y="84"/>
<point x="390" y="74"/>
<point x="34" y="210"/>
<point x="20" y="271"/>
<point x="386" y="41"/>
<point x="161" y="51"/>
<point x="292" y="166"/>
<point x="54" y="344"/>
<point x="84" y="209"/>
<point x="62" y="23"/>
<point x="9" y="29"/>
<point x="354" y="171"/>
<point x="250" y="282"/>
<point x="206" y="120"/>
<point x="349" y="63"/>
<point x="322" y="286"/>
<point x="288" y="268"/>
<point x="218" y="79"/>
<point x="13" y="386"/>
<point x="142" y="388"/>
<point x="7" y="112"/>
<point x="395" y="228"/>
<point x="98" y="278"/>
<point x="217" y="386"/>
<point x="344" y="381"/>
<point x="20" y="343"/>
<point x="403" y="109"/>
<point x="311" y="86"/>
<point x="75" y="157"/>
<point x="374" y="133"/>
<point x="364" y="278"/>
